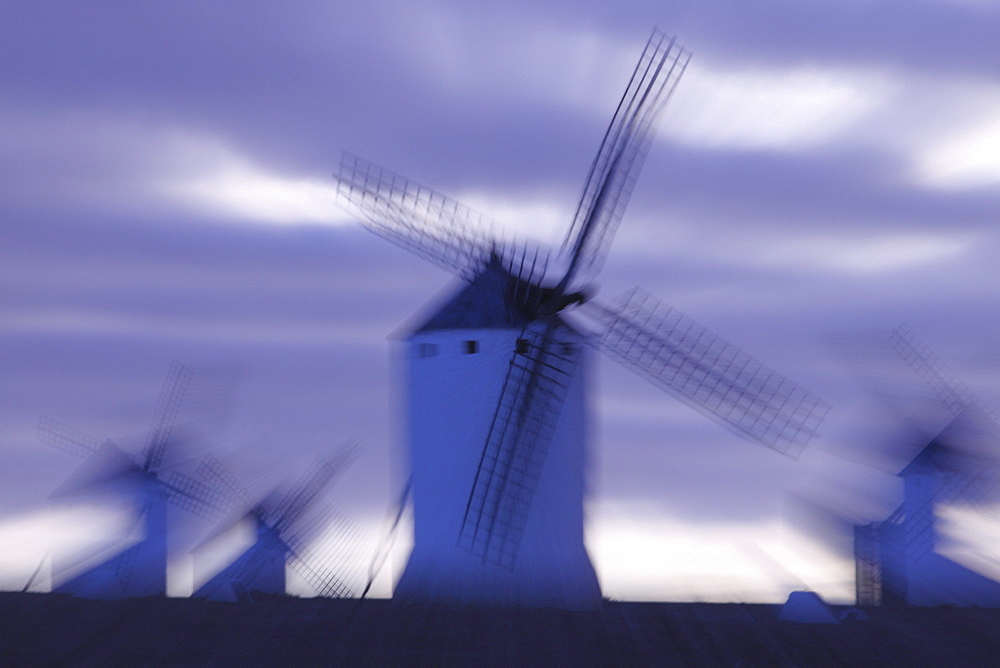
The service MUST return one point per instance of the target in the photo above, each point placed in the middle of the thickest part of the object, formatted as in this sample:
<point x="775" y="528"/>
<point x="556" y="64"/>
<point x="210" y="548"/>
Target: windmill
<point x="140" y="569"/>
<point x="897" y="560"/>
<point x="282" y="535"/>
<point x="497" y="377"/>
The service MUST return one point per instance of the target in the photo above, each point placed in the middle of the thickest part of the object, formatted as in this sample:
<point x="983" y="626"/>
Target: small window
<point x="427" y="350"/>
<point x="522" y="347"/>
<point x="471" y="347"/>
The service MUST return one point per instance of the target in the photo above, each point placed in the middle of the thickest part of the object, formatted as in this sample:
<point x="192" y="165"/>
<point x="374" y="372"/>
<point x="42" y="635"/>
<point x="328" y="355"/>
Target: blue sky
<point x="823" y="167"/>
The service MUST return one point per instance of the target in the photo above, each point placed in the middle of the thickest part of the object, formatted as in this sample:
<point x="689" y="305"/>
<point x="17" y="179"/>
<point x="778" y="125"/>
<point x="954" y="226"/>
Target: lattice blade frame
<point x="169" y="403"/>
<point x="619" y="159"/>
<point x="417" y="218"/>
<point x="195" y="496"/>
<point x="709" y="373"/>
<point x="123" y="566"/>
<point x="510" y="466"/>
<point x="221" y="478"/>
<point x="303" y="495"/>
<point x="63" y="436"/>
<point x="323" y="564"/>
<point x="952" y="393"/>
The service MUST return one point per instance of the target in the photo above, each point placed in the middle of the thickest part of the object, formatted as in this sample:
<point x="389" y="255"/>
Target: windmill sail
<point x="709" y="373"/>
<point x="511" y="463"/>
<point x="63" y="436"/>
<point x="417" y="218"/>
<point x="616" y="167"/>
<point x="178" y="377"/>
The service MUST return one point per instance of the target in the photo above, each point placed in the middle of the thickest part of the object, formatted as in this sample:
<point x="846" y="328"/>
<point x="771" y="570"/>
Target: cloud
<point x="214" y="178"/>
<point x="872" y="255"/>
<point x="771" y="108"/>
<point x="969" y="158"/>
<point x="632" y="545"/>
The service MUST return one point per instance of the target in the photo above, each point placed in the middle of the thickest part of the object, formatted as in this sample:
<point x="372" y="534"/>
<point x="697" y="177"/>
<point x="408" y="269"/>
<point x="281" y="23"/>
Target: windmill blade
<point x="323" y="578"/>
<point x="225" y="482"/>
<point x="236" y="501"/>
<point x="972" y="487"/>
<point x="123" y="566"/>
<point x="415" y="217"/>
<point x="61" y="435"/>
<point x="907" y="376"/>
<point x="710" y="374"/>
<point x="952" y="393"/>
<point x="613" y="173"/>
<point x="304" y="494"/>
<point x="320" y="553"/>
<point x="310" y="530"/>
<point x="195" y="496"/>
<point x="533" y="392"/>
<point x="171" y="396"/>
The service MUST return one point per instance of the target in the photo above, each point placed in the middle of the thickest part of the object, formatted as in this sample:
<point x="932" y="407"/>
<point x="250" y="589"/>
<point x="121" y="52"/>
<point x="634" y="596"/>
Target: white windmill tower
<point x="897" y="560"/>
<point x="497" y="377"/>
<point x="282" y="535"/>
<point x="140" y="569"/>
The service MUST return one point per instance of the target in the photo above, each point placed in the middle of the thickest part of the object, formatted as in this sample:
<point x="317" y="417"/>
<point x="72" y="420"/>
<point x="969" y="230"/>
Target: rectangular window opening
<point x="471" y="347"/>
<point x="522" y="347"/>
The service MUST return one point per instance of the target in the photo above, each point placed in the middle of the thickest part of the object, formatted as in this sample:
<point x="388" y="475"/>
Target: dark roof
<point x="492" y="300"/>
<point x="950" y="449"/>
<point x="932" y="459"/>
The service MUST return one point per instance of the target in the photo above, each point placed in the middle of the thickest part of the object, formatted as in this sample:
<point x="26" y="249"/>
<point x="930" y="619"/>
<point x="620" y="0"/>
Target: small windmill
<point x="282" y="535"/>
<point x="497" y="376"/>
<point x="896" y="559"/>
<point x="139" y="570"/>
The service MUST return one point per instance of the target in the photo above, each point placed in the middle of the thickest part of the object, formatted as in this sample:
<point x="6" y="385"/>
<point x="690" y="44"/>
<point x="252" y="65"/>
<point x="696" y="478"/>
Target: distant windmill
<point x="896" y="560"/>
<point x="139" y="570"/>
<point x="281" y="535"/>
<point x="497" y="376"/>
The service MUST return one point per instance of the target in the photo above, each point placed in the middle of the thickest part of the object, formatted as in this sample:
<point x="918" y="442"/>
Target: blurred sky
<point x="165" y="193"/>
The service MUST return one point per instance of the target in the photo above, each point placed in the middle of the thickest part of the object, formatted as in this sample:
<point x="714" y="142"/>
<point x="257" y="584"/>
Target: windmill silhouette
<point x="140" y="569"/>
<point x="896" y="559"/>
<point x="497" y="375"/>
<point x="282" y="534"/>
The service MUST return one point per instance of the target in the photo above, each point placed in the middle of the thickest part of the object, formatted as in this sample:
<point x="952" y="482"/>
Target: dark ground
<point x="48" y="629"/>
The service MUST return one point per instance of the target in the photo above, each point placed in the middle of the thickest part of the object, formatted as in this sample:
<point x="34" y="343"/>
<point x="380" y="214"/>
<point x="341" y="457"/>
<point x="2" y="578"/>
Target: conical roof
<point x="929" y="460"/>
<point x="486" y="302"/>
<point x="958" y="445"/>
